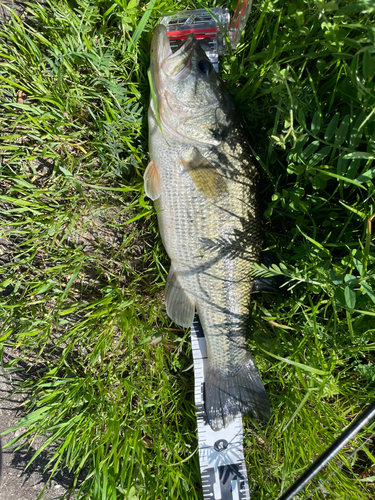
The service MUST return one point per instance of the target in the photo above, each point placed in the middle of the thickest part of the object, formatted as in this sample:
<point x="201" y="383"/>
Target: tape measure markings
<point x="221" y="458"/>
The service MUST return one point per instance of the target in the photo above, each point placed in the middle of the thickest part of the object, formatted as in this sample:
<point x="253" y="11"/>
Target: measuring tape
<point x="221" y="458"/>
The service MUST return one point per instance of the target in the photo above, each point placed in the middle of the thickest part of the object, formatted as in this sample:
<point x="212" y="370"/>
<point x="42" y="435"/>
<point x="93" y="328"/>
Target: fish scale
<point x="205" y="186"/>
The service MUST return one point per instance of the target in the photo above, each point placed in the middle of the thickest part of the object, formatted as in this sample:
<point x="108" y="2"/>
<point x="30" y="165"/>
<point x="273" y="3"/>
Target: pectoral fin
<point x="152" y="181"/>
<point x="179" y="307"/>
<point x="205" y="176"/>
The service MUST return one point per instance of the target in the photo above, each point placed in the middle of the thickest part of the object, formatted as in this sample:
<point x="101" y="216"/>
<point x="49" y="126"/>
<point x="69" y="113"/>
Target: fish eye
<point x="205" y="67"/>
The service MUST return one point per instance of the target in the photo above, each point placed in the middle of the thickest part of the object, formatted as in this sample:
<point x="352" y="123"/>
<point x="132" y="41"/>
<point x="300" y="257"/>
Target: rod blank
<point x="364" y="418"/>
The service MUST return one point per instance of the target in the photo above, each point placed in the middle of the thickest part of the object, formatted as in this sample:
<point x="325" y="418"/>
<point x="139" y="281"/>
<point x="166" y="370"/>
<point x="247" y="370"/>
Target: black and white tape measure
<point x="221" y="458"/>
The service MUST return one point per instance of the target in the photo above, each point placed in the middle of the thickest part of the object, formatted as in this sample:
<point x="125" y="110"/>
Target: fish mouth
<point x="178" y="65"/>
<point x="175" y="65"/>
<point x="160" y="47"/>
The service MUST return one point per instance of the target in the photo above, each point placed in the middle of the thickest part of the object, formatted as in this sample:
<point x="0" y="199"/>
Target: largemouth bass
<point x="205" y="187"/>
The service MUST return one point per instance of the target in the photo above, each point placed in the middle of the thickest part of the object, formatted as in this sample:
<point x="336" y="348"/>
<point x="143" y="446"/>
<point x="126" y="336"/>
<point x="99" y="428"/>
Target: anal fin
<point x="179" y="306"/>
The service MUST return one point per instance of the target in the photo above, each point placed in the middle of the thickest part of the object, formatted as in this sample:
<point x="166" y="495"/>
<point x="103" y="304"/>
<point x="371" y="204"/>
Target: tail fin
<point x="228" y="394"/>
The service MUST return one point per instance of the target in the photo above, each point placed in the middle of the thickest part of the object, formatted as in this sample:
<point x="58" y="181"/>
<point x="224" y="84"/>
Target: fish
<point x="205" y="187"/>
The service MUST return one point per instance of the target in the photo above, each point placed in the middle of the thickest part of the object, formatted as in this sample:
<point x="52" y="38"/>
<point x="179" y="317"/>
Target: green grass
<point x="109" y="377"/>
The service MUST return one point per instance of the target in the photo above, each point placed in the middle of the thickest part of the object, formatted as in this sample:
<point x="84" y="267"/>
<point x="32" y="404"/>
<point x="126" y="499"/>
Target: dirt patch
<point x="17" y="6"/>
<point x="17" y="481"/>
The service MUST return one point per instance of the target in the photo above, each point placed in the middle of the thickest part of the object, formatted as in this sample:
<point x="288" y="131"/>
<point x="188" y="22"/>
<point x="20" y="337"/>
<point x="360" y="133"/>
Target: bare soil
<point x="17" y="481"/>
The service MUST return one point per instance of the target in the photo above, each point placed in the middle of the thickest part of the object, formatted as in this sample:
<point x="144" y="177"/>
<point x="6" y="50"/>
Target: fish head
<point x="190" y="99"/>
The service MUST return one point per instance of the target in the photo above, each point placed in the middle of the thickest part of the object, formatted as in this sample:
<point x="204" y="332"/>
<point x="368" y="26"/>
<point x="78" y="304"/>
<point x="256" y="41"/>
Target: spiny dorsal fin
<point x="206" y="178"/>
<point x="152" y="181"/>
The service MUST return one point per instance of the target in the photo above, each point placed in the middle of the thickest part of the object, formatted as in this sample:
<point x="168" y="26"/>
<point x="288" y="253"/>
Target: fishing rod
<point x="364" y="418"/>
